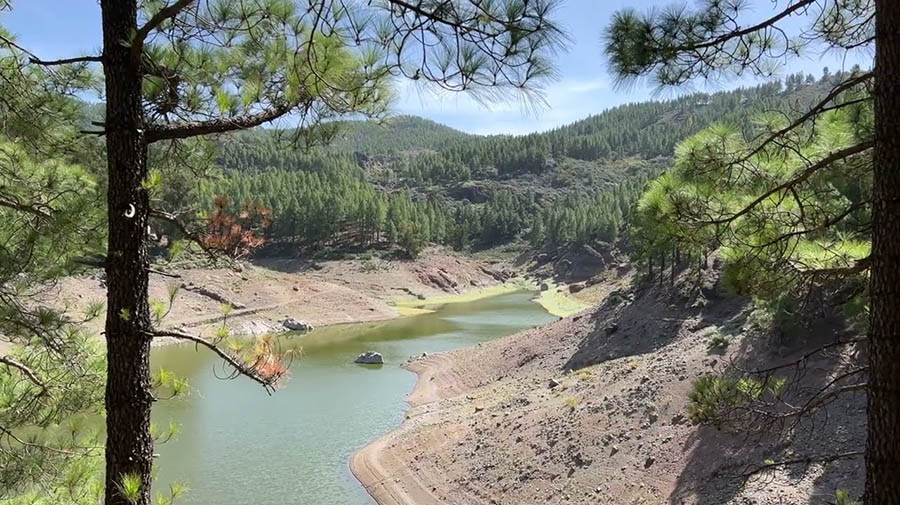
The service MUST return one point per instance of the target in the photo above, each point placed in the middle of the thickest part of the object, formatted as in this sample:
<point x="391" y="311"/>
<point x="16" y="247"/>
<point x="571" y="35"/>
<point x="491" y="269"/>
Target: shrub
<point x="719" y="340"/>
<point x="842" y="497"/>
<point x="572" y="402"/>
<point x="713" y="397"/>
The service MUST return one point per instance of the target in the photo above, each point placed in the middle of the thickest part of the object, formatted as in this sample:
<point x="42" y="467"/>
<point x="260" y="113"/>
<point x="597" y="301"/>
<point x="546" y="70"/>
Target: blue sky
<point x="60" y="28"/>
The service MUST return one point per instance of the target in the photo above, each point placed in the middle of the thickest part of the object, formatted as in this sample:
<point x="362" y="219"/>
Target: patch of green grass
<point x="560" y="303"/>
<point x="584" y="374"/>
<point x="470" y="296"/>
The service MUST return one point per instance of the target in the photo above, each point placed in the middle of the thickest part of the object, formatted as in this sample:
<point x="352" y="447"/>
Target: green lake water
<point x="239" y="446"/>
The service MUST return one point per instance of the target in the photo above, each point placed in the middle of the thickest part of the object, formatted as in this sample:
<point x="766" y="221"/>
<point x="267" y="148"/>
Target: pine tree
<point x="179" y="69"/>
<point x="676" y="46"/>
<point x="50" y="370"/>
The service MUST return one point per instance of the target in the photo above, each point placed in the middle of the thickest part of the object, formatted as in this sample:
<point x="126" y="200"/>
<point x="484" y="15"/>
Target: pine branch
<point x="803" y="358"/>
<point x="28" y="209"/>
<point x="817" y="109"/>
<point x="163" y="274"/>
<point x="6" y="360"/>
<point x="165" y="13"/>
<point x="858" y="266"/>
<point x="435" y="17"/>
<point x="188" y="129"/>
<point x="241" y="368"/>
<point x="828" y="223"/>
<point x="183" y="228"/>
<point x="738" y="33"/>
<point x="66" y="61"/>
<point x="800" y="461"/>
<point x="805" y="175"/>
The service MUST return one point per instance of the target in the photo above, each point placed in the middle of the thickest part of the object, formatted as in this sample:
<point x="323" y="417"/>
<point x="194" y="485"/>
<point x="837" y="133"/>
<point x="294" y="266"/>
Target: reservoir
<point x="238" y="445"/>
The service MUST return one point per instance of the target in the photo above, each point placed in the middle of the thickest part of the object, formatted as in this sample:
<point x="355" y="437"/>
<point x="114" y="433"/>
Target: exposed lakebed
<point x="238" y="445"/>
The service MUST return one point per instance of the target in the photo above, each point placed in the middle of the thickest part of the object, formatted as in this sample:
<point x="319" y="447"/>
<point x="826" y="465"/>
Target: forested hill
<point x="394" y="134"/>
<point x="410" y="181"/>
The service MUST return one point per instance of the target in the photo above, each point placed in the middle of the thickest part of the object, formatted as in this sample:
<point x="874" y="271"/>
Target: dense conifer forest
<point x="408" y="181"/>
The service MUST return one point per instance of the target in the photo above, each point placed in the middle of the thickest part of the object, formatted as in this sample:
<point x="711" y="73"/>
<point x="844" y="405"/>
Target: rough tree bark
<point x="883" y="446"/>
<point x="129" y="446"/>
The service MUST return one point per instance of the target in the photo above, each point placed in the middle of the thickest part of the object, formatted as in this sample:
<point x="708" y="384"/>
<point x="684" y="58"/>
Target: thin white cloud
<point x="563" y="102"/>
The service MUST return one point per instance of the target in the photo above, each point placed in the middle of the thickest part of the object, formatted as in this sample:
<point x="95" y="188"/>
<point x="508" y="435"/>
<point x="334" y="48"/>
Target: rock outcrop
<point x="297" y="325"/>
<point x="370" y="358"/>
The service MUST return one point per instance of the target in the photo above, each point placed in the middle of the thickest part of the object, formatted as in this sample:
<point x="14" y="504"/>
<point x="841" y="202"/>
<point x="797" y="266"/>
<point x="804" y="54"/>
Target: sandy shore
<point x="387" y="478"/>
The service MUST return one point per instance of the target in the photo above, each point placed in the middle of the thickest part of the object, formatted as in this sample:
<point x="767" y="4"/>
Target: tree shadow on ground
<point x="717" y="461"/>
<point x="724" y="464"/>
<point x="630" y="324"/>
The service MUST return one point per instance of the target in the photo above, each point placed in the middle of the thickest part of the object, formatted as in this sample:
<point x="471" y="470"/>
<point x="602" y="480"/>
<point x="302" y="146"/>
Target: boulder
<point x="545" y="286"/>
<point x="575" y="288"/>
<point x="295" y="325"/>
<point x="370" y="358"/>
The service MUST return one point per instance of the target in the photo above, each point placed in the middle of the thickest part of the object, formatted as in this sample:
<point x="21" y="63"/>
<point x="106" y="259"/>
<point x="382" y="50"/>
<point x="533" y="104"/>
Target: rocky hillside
<point x="594" y="409"/>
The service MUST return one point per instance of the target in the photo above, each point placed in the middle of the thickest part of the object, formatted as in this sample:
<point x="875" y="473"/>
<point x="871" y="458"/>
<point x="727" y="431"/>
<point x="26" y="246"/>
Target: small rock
<point x="296" y="325"/>
<point x="554" y="383"/>
<point x="612" y="328"/>
<point x="678" y="419"/>
<point x="295" y="288"/>
<point x="649" y="462"/>
<point x="370" y="358"/>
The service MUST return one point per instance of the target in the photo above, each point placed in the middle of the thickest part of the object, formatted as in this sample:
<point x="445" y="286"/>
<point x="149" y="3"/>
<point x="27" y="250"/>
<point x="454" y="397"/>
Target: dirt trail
<point x="592" y="409"/>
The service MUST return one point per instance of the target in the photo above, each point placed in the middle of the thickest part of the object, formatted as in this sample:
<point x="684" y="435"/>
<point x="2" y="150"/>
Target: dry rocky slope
<point x="592" y="409"/>
<point x="266" y="292"/>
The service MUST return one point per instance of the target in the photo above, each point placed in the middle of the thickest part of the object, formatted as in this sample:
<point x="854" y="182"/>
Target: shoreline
<point x="434" y="382"/>
<point x="401" y="309"/>
<point x="392" y="489"/>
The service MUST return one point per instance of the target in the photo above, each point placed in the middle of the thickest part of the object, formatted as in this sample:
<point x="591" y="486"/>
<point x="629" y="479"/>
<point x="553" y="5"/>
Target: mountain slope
<point x="593" y="409"/>
<point x="574" y="184"/>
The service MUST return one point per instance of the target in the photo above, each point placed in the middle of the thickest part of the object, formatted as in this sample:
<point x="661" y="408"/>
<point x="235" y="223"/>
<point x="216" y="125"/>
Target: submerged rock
<point x="370" y="358"/>
<point x="295" y="325"/>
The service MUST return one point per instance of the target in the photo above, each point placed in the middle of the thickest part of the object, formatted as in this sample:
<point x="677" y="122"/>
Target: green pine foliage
<point x="51" y="373"/>
<point x="778" y="221"/>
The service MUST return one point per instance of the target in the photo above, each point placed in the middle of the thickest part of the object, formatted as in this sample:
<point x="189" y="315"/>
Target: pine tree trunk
<point x="674" y="264"/>
<point x="699" y="271"/>
<point x="883" y="446"/>
<point x="662" y="267"/>
<point x="129" y="446"/>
